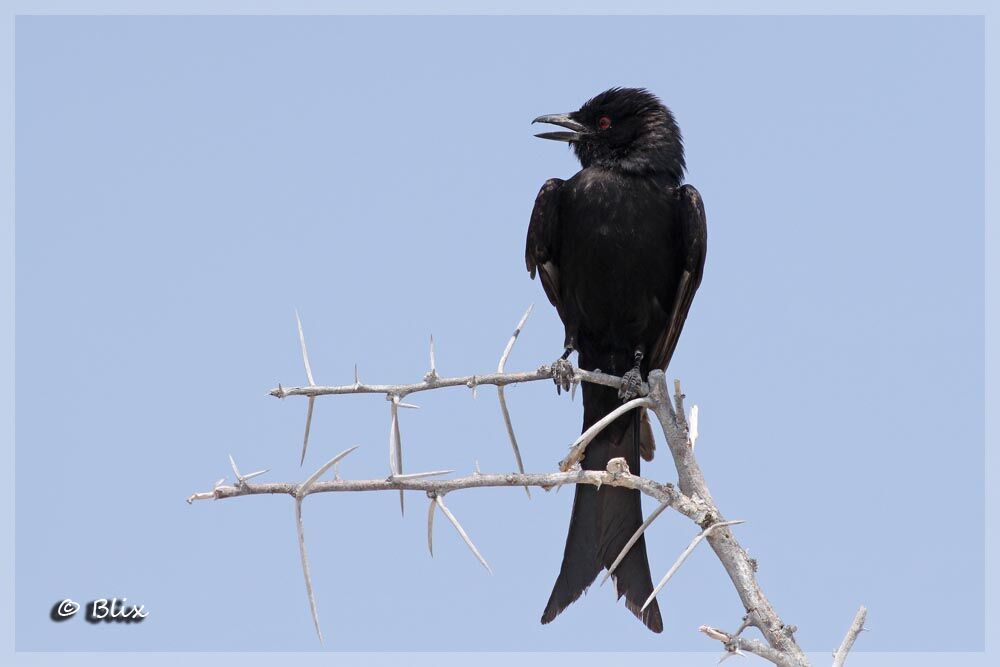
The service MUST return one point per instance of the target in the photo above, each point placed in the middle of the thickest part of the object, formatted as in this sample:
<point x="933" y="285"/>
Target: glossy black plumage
<point x="619" y="248"/>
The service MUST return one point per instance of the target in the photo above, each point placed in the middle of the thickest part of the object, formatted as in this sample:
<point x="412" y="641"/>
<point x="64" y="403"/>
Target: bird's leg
<point x="562" y="370"/>
<point x="632" y="380"/>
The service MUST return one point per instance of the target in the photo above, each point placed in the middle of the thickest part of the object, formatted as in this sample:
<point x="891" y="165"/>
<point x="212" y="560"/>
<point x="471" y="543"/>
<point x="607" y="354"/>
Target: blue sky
<point x="183" y="183"/>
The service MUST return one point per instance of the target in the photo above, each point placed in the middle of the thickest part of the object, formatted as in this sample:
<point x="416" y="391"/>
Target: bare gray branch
<point x="691" y="496"/>
<point x="852" y="634"/>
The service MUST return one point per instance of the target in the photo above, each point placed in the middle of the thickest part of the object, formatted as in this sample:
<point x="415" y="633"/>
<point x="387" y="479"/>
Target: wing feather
<point x="541" y="253"/>
<point x="694" y="237"/>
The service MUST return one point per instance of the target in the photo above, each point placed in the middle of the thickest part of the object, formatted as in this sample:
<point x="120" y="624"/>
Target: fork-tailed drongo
<point x="620" y="248"/>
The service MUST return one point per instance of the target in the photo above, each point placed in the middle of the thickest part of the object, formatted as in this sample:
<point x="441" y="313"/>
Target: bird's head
<point x="624" y="129"/>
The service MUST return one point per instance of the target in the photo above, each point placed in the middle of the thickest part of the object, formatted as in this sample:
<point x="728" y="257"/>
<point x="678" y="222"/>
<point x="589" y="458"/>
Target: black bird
<point x="620" y="249"/>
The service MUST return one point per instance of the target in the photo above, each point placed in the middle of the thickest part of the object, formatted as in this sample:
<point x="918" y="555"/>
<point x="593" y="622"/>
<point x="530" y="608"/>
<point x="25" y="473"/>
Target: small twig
<point x="840" y="656"/>
<point x="451" y="517"/>
<point x="683" y="557"/>
<point x="734" y="644"/>
<point x="578" y="448"/>
<point x="679" y="405"/>
<point x="744" y="624"/>
<point x="203" y="495"/>
<point x="469" y="381"/>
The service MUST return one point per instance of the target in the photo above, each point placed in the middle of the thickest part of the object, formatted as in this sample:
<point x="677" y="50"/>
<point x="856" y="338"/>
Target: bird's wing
<point x="693" y="238"/>
<point x="541" y="248"/>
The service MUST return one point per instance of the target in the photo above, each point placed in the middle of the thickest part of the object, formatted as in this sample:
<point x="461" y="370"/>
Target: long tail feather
<point x="604" y="519"/>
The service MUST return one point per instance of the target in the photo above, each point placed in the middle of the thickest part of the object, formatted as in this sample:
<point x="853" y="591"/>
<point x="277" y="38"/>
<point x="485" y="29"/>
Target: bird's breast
<point x="615" y="257"/>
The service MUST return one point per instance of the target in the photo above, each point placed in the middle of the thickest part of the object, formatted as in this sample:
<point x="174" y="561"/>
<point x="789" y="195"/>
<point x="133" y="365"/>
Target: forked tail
<point x="604" y="519"/>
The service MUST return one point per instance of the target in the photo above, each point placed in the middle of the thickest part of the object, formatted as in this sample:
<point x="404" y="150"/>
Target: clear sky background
<point x="183" y="183"/>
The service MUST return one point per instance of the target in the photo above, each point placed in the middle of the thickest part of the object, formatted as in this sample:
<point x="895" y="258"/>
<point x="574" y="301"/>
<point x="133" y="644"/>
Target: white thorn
<point x="693" y="425"/>
<point x="419" y="475"/>
<point x="510" y="434"/>
<point x="577" y="448"/>
<point x="635" y="538"/>
<point x="305" y="353"/>
<point x="305" y="436"/>
<point x="300" y="529"/>
<point x="236" y="471"/>
<point x="729" y="654"/>
<point x="513" y="339"/>
<point x="393" y="437"/>
<point x="683" y="557"/>
<point x="503" y="400"/>
<point x="430" y="526"/>
<point x="396" y="447"/>
<point x="433" y="360"/>
<point x="461" y="531"/>
<point x="303" y="489"/>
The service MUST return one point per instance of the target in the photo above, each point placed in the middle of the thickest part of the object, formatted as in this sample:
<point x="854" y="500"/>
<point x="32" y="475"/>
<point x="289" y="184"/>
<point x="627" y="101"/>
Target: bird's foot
<point x="562" y="374"/>
<point x="631" y="382"/>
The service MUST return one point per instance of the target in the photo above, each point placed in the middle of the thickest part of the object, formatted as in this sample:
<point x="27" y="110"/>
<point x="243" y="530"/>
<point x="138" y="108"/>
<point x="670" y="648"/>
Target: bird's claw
<point x="562" y="375"/>
<point x="631" y="382"/>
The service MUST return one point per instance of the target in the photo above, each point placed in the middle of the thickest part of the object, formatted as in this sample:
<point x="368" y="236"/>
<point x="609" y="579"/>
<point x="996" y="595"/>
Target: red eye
<point x="604" y="122"/>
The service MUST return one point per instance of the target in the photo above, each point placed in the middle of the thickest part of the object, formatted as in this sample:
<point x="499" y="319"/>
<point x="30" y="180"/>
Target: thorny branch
<point x="690" y="497"/>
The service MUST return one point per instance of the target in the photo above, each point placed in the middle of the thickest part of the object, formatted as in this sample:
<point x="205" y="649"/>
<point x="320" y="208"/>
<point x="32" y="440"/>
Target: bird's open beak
<point x="563" y="120"/>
